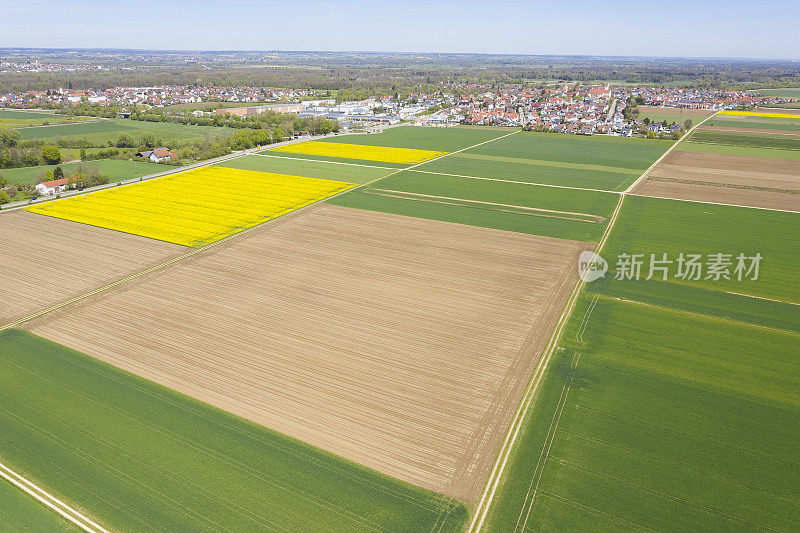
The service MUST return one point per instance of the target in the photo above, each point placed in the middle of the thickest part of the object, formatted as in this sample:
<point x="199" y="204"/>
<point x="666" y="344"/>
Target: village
<point x="569" y="108"/>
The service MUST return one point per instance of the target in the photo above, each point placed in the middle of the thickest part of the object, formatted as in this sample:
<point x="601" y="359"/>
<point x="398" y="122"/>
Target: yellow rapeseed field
<point x="195" y="207"/>
<point x="360" y="151"/>
<point x="760" y="114"/>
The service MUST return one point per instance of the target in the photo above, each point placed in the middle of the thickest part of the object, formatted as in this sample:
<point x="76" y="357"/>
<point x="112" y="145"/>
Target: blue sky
<point x="715" y="28"/>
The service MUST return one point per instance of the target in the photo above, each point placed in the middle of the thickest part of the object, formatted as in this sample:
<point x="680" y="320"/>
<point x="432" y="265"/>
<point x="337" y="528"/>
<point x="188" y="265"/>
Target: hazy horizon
<point x="690" y="30"/>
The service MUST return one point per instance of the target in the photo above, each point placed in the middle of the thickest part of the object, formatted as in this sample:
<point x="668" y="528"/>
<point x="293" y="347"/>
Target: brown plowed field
<point x="400" y="343"/>
<point x="45" y="261"/>
<point x="730" y="179"/>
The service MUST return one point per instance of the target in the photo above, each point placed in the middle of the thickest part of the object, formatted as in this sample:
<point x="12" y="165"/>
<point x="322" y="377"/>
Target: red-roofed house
<point x="157" y="155"/>
<point x="47" y="188"/>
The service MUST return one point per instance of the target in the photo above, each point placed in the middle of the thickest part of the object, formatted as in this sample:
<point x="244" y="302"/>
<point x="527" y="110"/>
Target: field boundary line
<point x="762" y="298"/>
<point x="686" y="136"/>
<point x="50" y="501"/>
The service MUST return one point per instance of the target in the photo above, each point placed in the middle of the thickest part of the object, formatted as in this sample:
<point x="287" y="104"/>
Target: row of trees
<point x="29" y="157"/>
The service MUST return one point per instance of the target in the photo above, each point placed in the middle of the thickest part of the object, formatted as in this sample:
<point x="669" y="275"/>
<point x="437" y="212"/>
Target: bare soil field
<point x="401" y="343"/>
<point x="741" y="180"/>
<point x="755" y="131"/>
<point x="46" y="260"/>
<point x="645" y="109"/>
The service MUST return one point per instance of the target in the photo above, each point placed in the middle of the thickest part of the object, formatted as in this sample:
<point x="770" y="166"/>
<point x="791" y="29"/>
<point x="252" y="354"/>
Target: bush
<point x="51" y="155"/>
<point x="9" y="137"/>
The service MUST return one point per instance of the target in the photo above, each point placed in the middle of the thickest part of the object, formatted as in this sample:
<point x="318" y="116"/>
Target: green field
<point x="652" y="419"/>
<point x="115" y="169"/>
<point x="472" y="215"/>
<point x="110" y="129"/>
<point x="310" y="169"/>
<point x="496" y="201"/>
<point x="662" y="115"/>
<point x="788" y="92"/>
<point x="670" y="405"/>
<point x="20" y="512"/>
<point x="769" y="153"/>
<point x="597" y="162"/>
<point x="439" y="139"/>
<point x="747" y="140"/>
<point x="761" y="123"/>
<point x="137" y="456"/>
<point x="656" y="226"/>
<point x="550" y="211"/>
<point x="15" y="118"/>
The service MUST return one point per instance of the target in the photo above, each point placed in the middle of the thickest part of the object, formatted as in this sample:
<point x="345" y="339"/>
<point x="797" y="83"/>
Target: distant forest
<point x="374" y="73"/>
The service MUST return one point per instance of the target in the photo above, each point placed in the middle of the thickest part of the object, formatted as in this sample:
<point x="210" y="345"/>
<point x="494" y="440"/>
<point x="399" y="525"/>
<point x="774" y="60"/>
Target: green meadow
<point x="16" y="118"/>
<point x="109" y="130"/>
<point x="137" y="456"/>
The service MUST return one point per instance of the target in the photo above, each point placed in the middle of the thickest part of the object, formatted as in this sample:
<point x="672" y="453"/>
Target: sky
<point x="677" y="28"/>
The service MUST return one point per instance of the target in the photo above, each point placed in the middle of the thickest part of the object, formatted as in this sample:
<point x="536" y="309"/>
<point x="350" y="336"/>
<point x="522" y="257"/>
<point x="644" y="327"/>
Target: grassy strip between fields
<point x="135" y="456"/>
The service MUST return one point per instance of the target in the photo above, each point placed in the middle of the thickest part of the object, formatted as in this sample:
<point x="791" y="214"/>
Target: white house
<point x="157" y="155"/>
<point x="51" y="187"/>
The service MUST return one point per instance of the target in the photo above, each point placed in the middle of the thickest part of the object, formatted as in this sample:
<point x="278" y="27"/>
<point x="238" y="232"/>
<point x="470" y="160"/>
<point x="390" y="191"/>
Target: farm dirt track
<point x="46" y="260"/>
<point x="400" y="343"/>
<point x="741" y="180"/>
